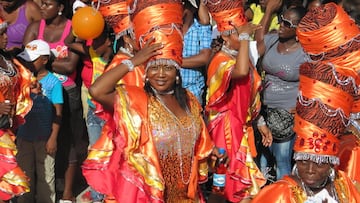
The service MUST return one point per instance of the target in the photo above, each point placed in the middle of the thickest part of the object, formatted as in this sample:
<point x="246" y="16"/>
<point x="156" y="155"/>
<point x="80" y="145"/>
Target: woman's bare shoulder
<point x="32" y="11"/>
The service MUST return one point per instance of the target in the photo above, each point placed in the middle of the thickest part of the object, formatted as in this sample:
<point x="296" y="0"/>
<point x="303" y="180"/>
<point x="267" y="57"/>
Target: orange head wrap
<point x="161" y="19"/>
<point x="323" y="112"/>
<point x="328" y="86"/>
<point x="226" y="13"/>
<point x="116" y="15"/>
<point x="332" y="27"/>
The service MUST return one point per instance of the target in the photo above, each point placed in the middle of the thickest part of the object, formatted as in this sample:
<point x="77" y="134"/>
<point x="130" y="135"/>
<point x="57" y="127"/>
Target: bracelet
<point x="129" y="64"/>
<point x="261" y="121"/>
<point x="244" y="36"/>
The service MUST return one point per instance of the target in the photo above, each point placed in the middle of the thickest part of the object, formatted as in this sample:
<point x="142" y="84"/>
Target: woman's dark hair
<point x="117" y="43"/>
<point x="188" y="5"/>
<point x="328" y="1"/>
<point x="67" y="11"/>
<point x="7" y="54"/>
<point x="15" y="6"/>
<point x="299" y="11"/>
<point x="353" y="10"/>
<point x="180" y="92"/>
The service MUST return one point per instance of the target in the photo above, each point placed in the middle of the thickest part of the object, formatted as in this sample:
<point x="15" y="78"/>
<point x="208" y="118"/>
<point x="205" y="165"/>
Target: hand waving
<point x="149" y="50"/>
<point x="248" y="28"/>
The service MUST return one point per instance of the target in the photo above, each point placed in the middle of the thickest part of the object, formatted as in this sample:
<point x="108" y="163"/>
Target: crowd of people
<point x="143" y="108"/>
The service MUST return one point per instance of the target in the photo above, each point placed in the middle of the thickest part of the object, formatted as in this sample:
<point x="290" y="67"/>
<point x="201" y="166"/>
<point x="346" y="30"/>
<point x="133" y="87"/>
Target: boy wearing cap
<point x="36" y="139"/>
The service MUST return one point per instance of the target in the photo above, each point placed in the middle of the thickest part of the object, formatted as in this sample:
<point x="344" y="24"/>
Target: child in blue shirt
<point x="36" y="139"/>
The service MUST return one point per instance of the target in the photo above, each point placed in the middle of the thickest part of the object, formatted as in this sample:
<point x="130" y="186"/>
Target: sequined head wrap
<point x="227" y="14"/>
<point x="328" y="85"/>
<point x="116" y="15"/>
<point x="161" y="19"/>
<point x="332" y="27"/>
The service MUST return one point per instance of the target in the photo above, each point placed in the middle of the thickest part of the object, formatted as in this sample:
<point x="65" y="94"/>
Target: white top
<point x="321" y="197"/>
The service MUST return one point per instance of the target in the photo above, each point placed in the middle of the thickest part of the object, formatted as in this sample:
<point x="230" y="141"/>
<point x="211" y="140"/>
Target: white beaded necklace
<point x="126" y="51"/>
<point x="310" y="194"/>
<point x="9" y="71"/>
<point x="229" y="51"/>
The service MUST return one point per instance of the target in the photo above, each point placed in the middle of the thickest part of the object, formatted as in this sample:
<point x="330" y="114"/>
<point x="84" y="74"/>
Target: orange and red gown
<point x="130" y="163"/>
<point x="231" y="104"/>
<point x="289" y="191"/>
<point x="16" y="88"/>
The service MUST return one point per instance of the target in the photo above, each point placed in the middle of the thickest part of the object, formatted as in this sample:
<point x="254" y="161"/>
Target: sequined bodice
<point x="175" y="140"/>
<point x="8" y="80"/>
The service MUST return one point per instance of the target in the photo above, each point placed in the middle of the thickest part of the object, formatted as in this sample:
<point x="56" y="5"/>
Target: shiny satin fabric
<point x="132" y="167"/>
<point x="326" y="93"/>
<point x="23" y="100"/>
<point x="315" y="140"/>
<point x="226" y="20"/>
<point x="334" y="34"/>
<point x="135" y="77"/>
<point x="227" y="14"/>
<point x="255" y="107"/>
<point x="103" y="155"/>
<point x="116" y="15"/>
<point x="228" y="108"/>
<point x="13" y="180"/>
<point x="350" y="156"/>
<point x="287" y="190"/>
<point x="163" y="23"/>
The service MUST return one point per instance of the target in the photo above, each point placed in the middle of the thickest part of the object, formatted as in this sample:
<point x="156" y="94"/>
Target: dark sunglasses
<point x="286" y="22"/>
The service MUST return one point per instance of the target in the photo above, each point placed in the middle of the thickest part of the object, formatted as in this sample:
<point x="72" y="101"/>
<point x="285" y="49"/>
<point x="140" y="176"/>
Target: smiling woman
<point x="159" y="142"/>
<point x="282" y="57"/>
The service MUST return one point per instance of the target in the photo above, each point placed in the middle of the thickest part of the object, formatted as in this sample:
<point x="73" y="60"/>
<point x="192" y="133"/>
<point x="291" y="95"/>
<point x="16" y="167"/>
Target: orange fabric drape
<point x="336" y="33"/>
<point x="226" y="19"/>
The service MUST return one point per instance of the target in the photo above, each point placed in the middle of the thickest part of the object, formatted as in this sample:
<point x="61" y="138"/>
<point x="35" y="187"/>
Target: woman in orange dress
<point x="15" y="102"/>
<point x="233" y="100"/>
<point x="160" y="144"/>
<point x="326" y="104"/>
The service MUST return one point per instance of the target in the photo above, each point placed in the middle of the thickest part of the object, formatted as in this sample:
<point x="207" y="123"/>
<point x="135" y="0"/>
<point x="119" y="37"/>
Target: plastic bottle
<point x="219" y="175"/>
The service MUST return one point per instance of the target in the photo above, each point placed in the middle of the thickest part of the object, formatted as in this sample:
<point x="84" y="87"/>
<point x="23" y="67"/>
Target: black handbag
<point x="281" y="124"/>
<point x="4" y="122"/>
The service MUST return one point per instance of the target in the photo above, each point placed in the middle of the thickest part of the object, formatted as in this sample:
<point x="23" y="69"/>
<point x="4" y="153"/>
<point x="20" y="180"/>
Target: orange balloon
<point x="87" y="23"/>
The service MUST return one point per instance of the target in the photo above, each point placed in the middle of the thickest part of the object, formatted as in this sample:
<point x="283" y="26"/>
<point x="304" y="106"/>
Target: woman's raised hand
<point x="248" y="28"/>
<point x="149" y="50"/>
<point x="273" y="5"/>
